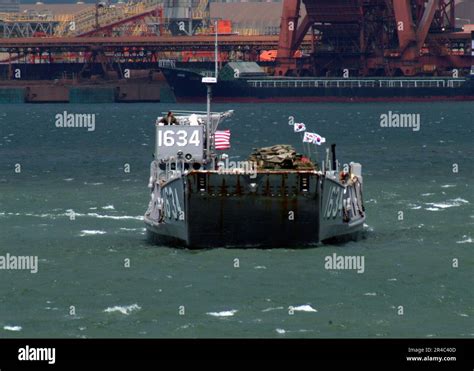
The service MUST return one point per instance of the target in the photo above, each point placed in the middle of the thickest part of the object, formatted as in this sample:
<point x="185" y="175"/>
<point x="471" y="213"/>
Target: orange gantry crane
<point x="373" y="37"/>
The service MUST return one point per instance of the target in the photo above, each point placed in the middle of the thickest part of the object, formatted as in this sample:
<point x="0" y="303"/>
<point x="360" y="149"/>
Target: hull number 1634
<point x="180" y="138"/>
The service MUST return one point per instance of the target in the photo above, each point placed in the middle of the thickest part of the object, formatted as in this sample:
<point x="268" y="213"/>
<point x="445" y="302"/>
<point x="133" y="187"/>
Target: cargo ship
<point x="198" y="202"/>
<point x="248" y="82"/>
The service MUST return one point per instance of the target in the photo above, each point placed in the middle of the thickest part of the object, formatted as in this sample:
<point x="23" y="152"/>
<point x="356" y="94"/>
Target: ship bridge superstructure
<point x="188" y="145"/>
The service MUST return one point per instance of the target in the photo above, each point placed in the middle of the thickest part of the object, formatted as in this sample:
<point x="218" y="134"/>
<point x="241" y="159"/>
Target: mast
<point x="208" y="81"/>
<point x="216" y="50"/>
<point x="208" y="121"/>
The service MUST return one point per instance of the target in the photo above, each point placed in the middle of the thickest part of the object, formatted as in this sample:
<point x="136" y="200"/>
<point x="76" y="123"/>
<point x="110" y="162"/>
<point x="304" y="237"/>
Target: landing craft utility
<point x="287" y="201"/>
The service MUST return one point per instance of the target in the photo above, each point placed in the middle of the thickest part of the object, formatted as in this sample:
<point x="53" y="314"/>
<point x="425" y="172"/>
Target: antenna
<point x="208" y="81"/>
<point x="216" y="49"/>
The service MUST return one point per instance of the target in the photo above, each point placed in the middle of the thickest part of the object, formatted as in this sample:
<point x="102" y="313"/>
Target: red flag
<point x="222" y="139"/>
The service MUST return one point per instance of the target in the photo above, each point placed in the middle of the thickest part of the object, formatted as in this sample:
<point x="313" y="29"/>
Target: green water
<point x="180" y="293"/>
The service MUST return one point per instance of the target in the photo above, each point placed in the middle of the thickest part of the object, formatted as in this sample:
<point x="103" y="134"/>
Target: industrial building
<point x="80" y="43"/>
<point x="9" y="6"/>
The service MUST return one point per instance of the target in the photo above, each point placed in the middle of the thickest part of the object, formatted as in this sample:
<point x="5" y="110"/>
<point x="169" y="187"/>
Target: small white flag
<point x="309" y="137"/>
<point x="319" y="140"/>
<point x="313" y="138"/>
<point x="299" y="127"/>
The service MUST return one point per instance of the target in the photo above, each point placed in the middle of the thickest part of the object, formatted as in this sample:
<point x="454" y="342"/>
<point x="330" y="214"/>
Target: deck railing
<point x="354" y="83"/>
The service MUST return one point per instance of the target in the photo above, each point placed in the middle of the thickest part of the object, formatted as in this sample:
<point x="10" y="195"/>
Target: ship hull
<point x="272" y="209"/>
<point x="187" y="87"/>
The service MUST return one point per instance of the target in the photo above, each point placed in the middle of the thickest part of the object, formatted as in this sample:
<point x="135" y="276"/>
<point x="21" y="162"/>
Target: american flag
<point x="222" y="139"/>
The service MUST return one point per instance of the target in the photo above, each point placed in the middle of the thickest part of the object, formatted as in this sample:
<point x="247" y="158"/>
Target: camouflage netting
<point x="280" y="156"/>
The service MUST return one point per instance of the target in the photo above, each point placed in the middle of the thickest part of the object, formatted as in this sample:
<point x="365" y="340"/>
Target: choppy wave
<point x="465" y="239"/>
<point x="12" y="328"/>
<point x="114" y="217"/>
<point x="304" y="308"/>
<point x="456" y="202"/>
<point x="46" y="215"/>
<point x="368" y="227"/>
<point x="225" y="313"/>
<point x="462" y="200"/>
<point x="108" y="207"/>
<point x="68" y="214"/>
<point x="124" y="309"/>
<point x="51" y="308"/>
<point x="86" y="232"/>
<point x="270" y="309"/>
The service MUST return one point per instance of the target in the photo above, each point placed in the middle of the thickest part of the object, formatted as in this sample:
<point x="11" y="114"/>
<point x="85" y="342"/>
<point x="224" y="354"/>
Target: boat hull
<point x="187" y="87"/>
<point x="269" y="209"/>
